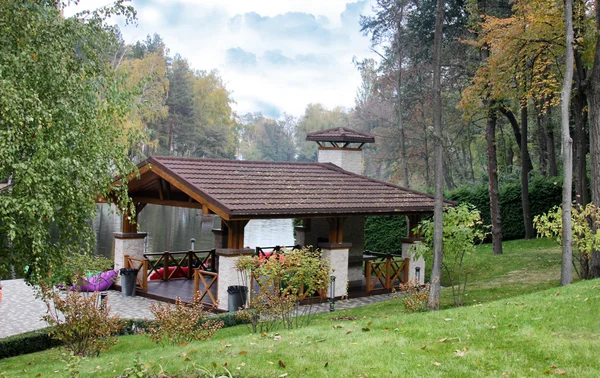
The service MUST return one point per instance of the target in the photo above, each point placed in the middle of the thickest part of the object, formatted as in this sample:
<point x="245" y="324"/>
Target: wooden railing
<point x="388" y="272"/>
<point x="267" y="251"/>
<point x="200" y="277"/>
<point x="142" y="266"/>
<point x="160" y="263"/>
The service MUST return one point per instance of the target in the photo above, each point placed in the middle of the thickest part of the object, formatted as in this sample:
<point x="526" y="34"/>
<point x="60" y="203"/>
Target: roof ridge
<point x="341" y="170"/>
<point x="197" y="159"/>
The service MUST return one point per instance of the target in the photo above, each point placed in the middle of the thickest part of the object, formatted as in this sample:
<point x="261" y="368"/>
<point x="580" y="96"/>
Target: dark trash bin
<point x="128" y="281"/>
<point x="236" y="298"/>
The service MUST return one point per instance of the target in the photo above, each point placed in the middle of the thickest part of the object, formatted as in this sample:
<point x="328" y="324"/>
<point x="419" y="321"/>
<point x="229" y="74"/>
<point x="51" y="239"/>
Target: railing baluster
<point x="190" y="265"/>
<point x="166" y="266"/>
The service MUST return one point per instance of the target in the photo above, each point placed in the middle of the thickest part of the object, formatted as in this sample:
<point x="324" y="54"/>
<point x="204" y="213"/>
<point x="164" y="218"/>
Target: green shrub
<point x="30" y="342"/>
<point x="79" y="323"/>
<point x="385" y="233"/>
<point x="544" y="193"/>
<point x="182" y="322"/>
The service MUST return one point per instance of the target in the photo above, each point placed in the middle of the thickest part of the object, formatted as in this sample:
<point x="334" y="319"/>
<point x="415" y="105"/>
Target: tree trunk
<point x="578" y="104"/>
<point x="529" y="233"/>
<point x="552" y="166"/>
<point x="433" y="302"/>
<point x="541" y="136"/>
<point x="518" y="137"/>
<point x="490" y="136"/>
<point x="594" y="112"/>
<point x="404" y="162"/>
<point x="566" y="273"/>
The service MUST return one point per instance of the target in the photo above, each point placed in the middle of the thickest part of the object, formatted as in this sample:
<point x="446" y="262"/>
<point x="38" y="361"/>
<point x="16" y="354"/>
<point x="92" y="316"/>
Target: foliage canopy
<point x="61" y="137"/>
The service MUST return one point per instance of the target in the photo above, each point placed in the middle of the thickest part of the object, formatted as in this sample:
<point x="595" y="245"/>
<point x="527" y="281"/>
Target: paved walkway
<point x="21" y="311"/>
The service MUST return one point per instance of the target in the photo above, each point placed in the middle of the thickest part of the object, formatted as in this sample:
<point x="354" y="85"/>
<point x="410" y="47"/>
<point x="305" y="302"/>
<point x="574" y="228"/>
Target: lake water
<point x="171" y="228"/>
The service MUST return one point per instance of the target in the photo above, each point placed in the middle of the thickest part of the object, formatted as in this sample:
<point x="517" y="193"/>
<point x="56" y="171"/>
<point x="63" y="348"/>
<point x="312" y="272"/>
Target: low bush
<point x="84" y="327"/>
<point x="30" y="342"/>
<point x="181" y="322"/>
<point x="414" y="296"/>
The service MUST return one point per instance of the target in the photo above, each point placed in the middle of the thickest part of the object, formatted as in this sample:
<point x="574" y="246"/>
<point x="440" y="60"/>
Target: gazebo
<point x="331" y="198"/>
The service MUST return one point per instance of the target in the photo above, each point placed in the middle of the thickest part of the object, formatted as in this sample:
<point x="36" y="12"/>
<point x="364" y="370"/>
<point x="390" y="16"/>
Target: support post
<point x="228" y="273"/>
<point x="132" y="244"/>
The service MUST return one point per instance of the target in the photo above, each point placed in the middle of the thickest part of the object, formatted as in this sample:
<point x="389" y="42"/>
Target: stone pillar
<point x="407" y="244"/>
<point x="336" y="254"/>
<point x="132" y="244"/>
<point x="228" y="273"/>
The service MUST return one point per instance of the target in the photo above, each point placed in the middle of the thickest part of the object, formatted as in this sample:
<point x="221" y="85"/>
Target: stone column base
<point x="414" y="262"/>
<point x="229" y="275"/>
<point x="132" y="244"/>
<point x="337" y="256"/>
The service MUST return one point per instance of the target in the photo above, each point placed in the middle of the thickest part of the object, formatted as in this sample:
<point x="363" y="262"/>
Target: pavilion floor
<point x="168" y="291"/>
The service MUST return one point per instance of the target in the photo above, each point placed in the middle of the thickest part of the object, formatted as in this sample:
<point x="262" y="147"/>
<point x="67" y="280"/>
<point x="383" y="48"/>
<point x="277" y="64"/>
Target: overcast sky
<point x="274" y="55"/>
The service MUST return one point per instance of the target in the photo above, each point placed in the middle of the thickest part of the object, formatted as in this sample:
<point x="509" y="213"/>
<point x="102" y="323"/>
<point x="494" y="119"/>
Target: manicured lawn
<point x="550" y="332"/>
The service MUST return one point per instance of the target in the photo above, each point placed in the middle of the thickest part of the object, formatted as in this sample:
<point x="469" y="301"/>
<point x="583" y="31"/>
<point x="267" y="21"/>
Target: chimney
<point x="342" y="147"/>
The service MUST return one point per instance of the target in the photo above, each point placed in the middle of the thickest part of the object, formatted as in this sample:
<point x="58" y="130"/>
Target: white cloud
<point x="271" y="54"/>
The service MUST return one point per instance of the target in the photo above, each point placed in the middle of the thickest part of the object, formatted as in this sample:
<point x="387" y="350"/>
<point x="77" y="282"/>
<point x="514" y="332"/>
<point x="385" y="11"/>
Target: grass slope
<point x="550" y="332"/>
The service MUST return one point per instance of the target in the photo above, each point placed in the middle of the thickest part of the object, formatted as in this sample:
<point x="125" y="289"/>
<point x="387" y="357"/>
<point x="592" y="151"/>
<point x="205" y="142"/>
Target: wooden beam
<point x="158" y="201"/>
<point x="235" y="234"/>
<point x="412" y="221"/>
<point x="336" y="230"/>
<point x="220" y="212"/>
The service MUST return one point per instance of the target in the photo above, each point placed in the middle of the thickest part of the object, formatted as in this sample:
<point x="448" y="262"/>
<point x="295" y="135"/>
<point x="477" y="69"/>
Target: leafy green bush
<point x="385" y="233"/>
<point x="182" y="322"/>
<point x="544" y="193"/>
<point x="79" y="323"/>
<point x="462" y="228"/>
<point x="283" y="280"/>
<point x="30" y="342"/>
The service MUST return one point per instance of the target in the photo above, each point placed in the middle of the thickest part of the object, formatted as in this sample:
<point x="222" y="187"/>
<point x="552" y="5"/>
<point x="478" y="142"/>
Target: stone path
<point x="20" y="310"/>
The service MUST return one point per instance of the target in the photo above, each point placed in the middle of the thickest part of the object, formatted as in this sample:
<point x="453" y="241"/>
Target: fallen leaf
<point x="369" y="323"/>
<point x="424" y="347"/>
<point x="263" y="334"/>
<point x="557" y="294"/>
<point x="459" y="353"/>
<point x="243" y="364"/>
<point x="348" y="331"/>
<point x="436" y="363"/>
<point x="283" y="375"/>
<point x="559" y="371"/>
<point x="586" y="299"/>
<point x="271" y="362"/>
<point x="187" y="359"/>
<point x="326" y="364"/>
<point x="225" y="363"/>
<point x="227" y="345"/>
<point x="281" y="364"/>
<point x="320" y="341"/>
<point x="365" y="329"/>
<point x="444" y="339"/>
<point x="243" y="352"/>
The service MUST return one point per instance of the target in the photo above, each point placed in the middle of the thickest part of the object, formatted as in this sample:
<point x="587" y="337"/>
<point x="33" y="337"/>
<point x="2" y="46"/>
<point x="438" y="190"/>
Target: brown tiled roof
<point x="257" y="189"/>
<point x="340" y="134"/>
